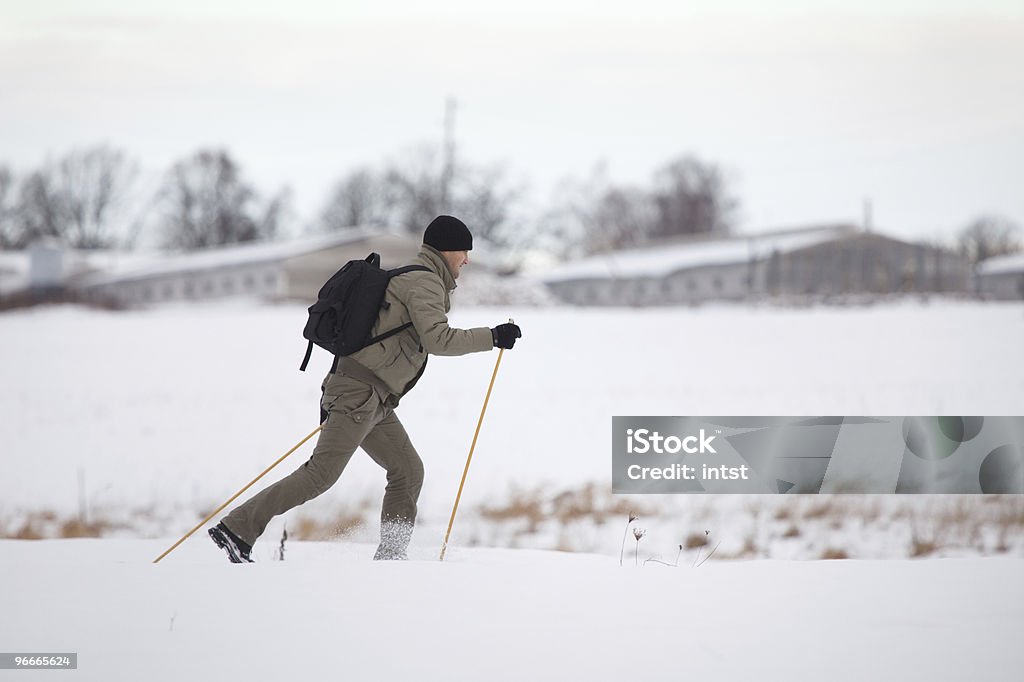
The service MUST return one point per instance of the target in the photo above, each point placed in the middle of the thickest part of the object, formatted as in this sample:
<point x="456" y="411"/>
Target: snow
<point x="229" y="256"/>
<point x="490" y="614"/>
<point x="1009" y="263"/>
<point x="95" y="267"/>
<point x="148" y="420"/>
<point x="178" y="407"/>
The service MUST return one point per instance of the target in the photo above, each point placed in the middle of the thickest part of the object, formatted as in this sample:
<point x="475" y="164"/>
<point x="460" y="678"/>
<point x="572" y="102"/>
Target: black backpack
<point x="347" y="306"/>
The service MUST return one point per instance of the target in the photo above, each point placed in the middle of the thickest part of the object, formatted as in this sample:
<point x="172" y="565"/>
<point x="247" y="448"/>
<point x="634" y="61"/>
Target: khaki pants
<point x="356" y="418"/>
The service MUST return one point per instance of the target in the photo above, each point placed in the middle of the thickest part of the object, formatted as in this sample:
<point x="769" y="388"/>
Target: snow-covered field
<point x="132" y="425"/>
<point x="142" y="421"/>
<point x="493" y="614"/>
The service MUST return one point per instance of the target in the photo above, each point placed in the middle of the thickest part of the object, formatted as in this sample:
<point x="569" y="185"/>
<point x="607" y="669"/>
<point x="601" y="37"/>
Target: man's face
<point x="455" y="260"/>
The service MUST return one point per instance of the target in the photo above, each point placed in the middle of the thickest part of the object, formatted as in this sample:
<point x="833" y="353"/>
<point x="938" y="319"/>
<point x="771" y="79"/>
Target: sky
<point x="810" y="107"/>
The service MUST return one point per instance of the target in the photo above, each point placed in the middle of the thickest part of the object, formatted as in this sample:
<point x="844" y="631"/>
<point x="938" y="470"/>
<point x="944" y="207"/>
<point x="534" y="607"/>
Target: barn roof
<point x="663" y="259"/>
<point x="216" y="258"/>
<point x="1001" y="265"/>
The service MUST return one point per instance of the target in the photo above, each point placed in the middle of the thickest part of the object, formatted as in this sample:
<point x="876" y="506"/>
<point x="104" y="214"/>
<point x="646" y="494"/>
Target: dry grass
<point x="589" y="518"/>
<point x="46" y="524"/>
<point x="869" y="526"/>
<point x="313" y="529"/>
<point x="832" y="554"/>
<point x="695" y="540"/>
<point x="27" y="531"/>
<point x="750" y="547"/>
<point x="74" y="528"/>
<point x="1009" y="520"/>
<point x="588" y="503"/>
<point x="819" y="509"/>
<point x="528" y="506"/>
<point x="920" y="547"/>
<point x="535" y="507"/>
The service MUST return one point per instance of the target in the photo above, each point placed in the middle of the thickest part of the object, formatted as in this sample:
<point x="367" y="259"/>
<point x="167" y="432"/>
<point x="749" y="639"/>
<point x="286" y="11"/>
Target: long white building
<point x="294" y="269"/>
<point x="821" y="262"/>
<point x="1001" y="277"/>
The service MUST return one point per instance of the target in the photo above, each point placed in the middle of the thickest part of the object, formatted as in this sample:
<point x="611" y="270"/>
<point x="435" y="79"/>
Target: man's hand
<point x="505" y="335"/>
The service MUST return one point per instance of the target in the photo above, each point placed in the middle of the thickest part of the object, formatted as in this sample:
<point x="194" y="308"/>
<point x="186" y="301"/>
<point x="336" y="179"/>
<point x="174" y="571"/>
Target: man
<point x="360" y="396"/>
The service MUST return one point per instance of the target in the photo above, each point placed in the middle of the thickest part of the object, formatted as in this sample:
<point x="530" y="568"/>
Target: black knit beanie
<point x="446" y="233"/>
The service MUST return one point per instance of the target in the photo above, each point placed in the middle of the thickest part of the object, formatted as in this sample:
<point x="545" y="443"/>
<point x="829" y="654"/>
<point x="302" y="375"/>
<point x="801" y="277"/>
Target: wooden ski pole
<point x="458" y="496"/>
<point x="235" y="496"/>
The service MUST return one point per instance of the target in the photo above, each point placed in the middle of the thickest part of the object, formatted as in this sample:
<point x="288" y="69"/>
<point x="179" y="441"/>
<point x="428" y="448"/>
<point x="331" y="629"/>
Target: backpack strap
<point x="305" y="360"/>
<point x="388" y="334"/>
<point x="395" y="273"/>
<point x="373" y="259"/>
<point x="407" y="268"/>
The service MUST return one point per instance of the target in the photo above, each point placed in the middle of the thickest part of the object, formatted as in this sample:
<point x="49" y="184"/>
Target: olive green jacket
<point x="423" y="298"/>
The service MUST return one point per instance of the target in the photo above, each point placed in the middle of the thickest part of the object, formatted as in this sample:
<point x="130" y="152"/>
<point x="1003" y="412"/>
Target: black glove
<point x="505" y="335"/>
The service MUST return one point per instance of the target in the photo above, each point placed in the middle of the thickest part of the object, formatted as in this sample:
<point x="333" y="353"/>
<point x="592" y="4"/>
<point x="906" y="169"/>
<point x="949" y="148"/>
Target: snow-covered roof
<point x="1001" y="265"/>
<point x="233" y="255"/>
<point x="664" y="259"/>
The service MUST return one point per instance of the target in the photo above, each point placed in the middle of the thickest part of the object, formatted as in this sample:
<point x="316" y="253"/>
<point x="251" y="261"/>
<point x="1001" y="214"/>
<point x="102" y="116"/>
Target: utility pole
<point x="448" y="171"/>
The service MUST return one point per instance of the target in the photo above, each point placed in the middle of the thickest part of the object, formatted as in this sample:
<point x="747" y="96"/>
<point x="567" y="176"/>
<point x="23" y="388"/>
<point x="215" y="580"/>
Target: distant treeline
<point x="91" y="199"/>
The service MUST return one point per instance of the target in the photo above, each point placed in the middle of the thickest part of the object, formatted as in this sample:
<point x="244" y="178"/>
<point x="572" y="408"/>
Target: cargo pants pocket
<point x="349" y="398"/>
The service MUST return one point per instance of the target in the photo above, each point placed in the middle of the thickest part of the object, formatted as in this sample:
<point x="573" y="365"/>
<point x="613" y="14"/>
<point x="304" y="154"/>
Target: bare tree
<point x="988" y="236"/>
<point x="38" y="210"/>
<point x="91" y="187"/>
<point x="597" y="216"/>
<point x="487" y="201"/>
<point x="80" y="199"/>
<point x="413" y="190"/>
<point x="207" y="203"/>
<point x="409" y="192"/>
<point x="623" y="217"/>
<point x="691" y="197"/>
<point x="8" y="212"/>
<point x="360" y="198"/>
<point x="557" y="230"/>
<point x="572" y="223"/>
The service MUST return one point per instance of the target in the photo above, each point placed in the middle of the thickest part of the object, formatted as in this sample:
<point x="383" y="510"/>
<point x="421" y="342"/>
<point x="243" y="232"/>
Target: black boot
<point x="236" y="548"/>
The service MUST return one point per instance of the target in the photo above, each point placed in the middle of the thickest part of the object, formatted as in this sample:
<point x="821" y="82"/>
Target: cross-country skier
<point x="359" y="399"/>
